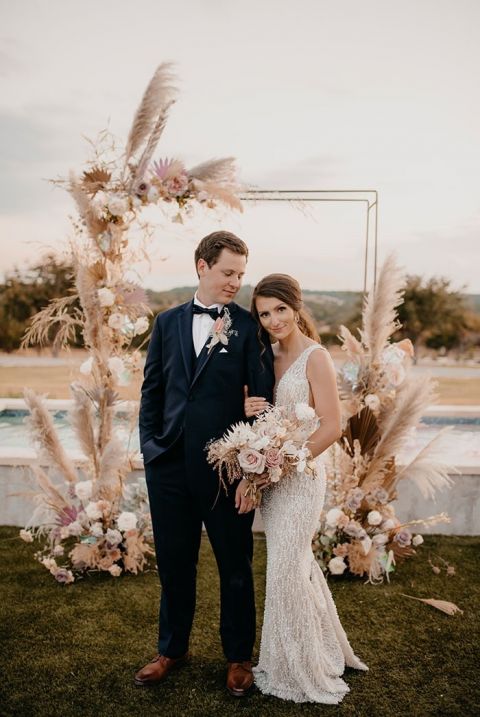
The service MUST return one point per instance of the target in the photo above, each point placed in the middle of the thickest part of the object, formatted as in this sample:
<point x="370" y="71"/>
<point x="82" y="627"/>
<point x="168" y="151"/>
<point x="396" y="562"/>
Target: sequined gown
<point x="304" y="648"/>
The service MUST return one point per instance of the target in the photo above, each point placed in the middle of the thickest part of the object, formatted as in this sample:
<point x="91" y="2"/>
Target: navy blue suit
<point x="186" y="402"/>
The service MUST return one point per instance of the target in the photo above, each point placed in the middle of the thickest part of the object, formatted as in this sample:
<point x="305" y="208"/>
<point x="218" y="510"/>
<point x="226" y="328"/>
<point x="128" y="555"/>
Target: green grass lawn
<point x="73" y="650"/>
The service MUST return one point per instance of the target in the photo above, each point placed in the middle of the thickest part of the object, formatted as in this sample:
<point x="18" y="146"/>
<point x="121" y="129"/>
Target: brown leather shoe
<point x="239" y="678"/>
<point x="157" y="669"/>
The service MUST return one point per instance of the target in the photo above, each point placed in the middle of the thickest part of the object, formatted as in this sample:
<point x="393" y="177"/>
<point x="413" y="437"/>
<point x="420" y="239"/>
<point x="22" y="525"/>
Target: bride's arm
<point x="323" y="385"/>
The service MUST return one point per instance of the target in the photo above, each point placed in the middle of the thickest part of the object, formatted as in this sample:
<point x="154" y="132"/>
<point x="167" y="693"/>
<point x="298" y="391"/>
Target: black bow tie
<point x="213" y="312"/>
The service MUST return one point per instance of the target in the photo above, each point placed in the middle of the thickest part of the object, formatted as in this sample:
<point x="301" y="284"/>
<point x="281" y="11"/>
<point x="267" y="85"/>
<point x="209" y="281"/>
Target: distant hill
<point x="329" y="308"/>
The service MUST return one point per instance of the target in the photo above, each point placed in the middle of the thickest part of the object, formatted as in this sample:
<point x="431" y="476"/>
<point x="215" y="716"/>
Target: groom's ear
<point x="202" y="266"/>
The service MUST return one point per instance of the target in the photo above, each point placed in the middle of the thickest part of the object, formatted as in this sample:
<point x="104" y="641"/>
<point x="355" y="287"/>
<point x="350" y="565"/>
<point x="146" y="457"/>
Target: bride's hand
<point x="253" y="405"/>
<point x="244" y="503"/>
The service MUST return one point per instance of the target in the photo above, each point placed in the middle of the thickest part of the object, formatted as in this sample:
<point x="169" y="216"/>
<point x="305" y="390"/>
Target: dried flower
<point x="115" y="570"/>
<point x="417" y="540"/>
<point x="26" y="535"/>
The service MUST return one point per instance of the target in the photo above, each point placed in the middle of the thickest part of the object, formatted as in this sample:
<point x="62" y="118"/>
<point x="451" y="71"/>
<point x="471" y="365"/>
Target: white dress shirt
<point x="202" y="325"/>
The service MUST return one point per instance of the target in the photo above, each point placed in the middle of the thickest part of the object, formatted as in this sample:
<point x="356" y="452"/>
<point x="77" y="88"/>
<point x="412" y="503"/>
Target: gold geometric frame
<point x="369" y="197"/>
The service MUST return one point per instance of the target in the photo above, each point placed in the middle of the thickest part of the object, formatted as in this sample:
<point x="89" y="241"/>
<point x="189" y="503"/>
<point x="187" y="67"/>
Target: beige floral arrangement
<point x="88" y="518"/>
<point x="382" y="403"/>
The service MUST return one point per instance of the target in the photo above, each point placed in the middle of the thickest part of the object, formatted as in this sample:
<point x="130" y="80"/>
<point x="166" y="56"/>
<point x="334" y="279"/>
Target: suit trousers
<point x="179" y="504"/>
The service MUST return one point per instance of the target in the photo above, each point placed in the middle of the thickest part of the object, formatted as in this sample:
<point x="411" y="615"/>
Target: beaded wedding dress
<point x="304" y="648"/>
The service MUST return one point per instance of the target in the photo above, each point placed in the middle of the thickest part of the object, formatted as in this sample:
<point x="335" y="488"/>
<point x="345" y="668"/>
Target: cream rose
<point x="417" y="540"/>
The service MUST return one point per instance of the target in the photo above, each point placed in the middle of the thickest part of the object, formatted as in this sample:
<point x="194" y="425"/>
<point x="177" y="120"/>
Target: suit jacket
<point x="200" y="397"/>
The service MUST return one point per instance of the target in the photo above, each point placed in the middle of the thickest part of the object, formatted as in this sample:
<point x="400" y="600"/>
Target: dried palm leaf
<point x="157" y="96"/>
<point x="447" y="607"/>
<point x="41" y="426"/>
<point x="427" y="470"/>
<point x="379" y="315"/>
<point x="362" y="427"/>
<point x="95" y="179"/>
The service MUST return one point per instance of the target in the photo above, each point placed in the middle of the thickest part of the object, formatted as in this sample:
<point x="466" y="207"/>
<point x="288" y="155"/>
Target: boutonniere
<point x="221" y="331"/>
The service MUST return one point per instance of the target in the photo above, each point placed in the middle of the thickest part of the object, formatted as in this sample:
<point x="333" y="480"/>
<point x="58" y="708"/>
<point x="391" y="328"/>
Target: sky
<point x="306" y="95"/>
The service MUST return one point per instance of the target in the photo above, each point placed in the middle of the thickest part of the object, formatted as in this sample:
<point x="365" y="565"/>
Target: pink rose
<point x="251" y="461"/>
<point x="273" y="458"/>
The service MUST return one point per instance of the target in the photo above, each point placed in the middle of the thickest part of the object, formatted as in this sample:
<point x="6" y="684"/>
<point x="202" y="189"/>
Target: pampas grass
<point x="41" y="426"/>
<point x="379" y="315"/>
<point x="427" y="470"/>
<point x="156" y="98"/>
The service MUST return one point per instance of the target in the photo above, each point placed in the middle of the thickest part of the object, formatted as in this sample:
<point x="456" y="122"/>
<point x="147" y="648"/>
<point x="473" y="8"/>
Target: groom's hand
<point x="244" y="503"/>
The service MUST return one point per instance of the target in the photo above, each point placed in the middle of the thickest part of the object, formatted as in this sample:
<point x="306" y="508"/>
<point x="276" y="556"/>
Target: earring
<point x="297" y="318"/>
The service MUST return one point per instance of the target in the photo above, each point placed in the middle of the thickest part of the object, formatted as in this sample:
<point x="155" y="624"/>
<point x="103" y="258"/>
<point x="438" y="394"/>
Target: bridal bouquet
<point x="273" y="447"/>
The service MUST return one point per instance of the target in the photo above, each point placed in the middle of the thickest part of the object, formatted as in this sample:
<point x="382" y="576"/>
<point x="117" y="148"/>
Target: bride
<point x="304" y="648"/>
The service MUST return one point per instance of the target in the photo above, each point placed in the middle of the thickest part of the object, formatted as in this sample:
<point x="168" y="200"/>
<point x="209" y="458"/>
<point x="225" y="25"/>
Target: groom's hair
<point x="213" y="244"/>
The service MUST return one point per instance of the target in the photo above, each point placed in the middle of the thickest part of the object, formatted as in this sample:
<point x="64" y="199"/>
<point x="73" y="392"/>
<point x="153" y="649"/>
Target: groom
<point x="200" y="357"/>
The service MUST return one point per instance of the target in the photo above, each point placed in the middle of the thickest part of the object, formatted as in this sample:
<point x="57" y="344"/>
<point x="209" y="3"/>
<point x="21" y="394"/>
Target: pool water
<point x="460" y="447"/>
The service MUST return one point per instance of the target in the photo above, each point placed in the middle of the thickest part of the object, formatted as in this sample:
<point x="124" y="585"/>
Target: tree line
<point x="433" y="315"/>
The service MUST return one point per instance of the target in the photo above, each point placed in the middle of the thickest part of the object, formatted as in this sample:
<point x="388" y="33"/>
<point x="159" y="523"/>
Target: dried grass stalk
<point x="215" y="170"/>
<point x="40" y="423"/>
<point x="412" y="400"/>
<point x="55" y="314"/>
<point x="82" y="417"/>
<point x="449" y="608"/>
<point x="152" y="144"/>
<point x="349" y="343"/>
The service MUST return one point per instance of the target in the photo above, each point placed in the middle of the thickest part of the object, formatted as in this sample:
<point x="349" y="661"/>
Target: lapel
<point x="185" y="317"/>
<point x="205" y="355"/>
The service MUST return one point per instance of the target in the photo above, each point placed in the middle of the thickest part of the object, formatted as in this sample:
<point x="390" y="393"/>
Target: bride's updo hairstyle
<point x="286" y="289"/>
